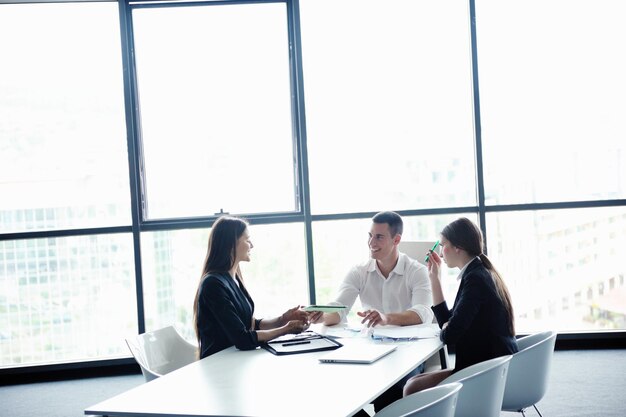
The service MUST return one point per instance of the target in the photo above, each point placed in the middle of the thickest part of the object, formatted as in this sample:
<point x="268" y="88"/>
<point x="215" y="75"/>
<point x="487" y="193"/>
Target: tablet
<point x="325" y="308"/>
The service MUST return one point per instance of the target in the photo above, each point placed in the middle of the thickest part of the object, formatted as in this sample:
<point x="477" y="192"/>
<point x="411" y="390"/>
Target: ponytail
<point x="502" y="291"/>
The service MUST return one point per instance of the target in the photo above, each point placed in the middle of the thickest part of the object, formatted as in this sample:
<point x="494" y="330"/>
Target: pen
<point x="303" y="342"/>
<point x="301" y="336"/>
<point x="432" y="250"/>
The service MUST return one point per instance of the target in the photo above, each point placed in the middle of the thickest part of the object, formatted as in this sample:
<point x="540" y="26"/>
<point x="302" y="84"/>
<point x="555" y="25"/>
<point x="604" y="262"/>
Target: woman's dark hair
<point x="464" y="234"/>
<point x="220" y="255"/>
<point x="221" y="250"/>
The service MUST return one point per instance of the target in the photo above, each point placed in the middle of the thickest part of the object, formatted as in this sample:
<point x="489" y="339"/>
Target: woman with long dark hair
<point x="223" y="309"/>
<point x="481" y="322"/>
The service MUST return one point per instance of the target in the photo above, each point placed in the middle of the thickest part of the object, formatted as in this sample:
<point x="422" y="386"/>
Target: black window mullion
<point x="134" y="151"/>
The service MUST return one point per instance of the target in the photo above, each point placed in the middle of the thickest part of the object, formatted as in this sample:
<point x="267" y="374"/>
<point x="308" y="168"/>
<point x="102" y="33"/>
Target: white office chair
<point x="483" y="387"/>
<point x="161" y="351"/>
<point x="439" y="401"/>
<point x="415" y="250"/>
<point x="529" y="370"/>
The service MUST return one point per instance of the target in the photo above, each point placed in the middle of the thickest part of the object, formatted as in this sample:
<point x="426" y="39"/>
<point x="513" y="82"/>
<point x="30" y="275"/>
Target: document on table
<point x="398" y="333"/>
<point x="419" y="331"/>
<point x="346" y="331"/>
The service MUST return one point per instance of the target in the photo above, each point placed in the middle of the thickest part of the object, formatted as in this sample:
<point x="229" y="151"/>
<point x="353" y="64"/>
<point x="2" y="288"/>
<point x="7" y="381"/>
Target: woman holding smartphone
<point x="481" y="321"/>
<point x="223" y="308"/>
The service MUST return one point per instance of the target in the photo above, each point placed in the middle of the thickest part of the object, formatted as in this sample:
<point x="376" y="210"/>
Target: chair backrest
<point x="415" y="250"/>
<point x="439" y="401"/>
<point x="483" y="387"/>
<point x="161" y="351"/>
<point x="529" y="370"/>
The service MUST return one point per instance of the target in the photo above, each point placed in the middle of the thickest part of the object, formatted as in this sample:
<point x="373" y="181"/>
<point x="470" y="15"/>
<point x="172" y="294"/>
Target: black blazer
<point x="225" y="313"/>
<point x="478" y="321"/>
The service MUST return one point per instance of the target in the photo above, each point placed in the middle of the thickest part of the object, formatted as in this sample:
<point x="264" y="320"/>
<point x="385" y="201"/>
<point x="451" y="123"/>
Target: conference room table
<point x="256" y="383"/>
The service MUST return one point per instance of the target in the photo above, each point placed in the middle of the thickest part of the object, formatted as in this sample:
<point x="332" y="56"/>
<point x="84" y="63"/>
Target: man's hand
<point x="373" y="318"/>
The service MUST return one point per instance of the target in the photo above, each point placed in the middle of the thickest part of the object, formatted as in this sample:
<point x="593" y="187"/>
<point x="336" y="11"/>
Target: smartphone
<point x="432" y="250"/>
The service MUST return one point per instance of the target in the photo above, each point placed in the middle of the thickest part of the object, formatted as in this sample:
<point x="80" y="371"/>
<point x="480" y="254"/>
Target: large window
<point x="63" y="159"/>
<point x="388" y="104"/>
<point x="215" y="109"/>
<point x="66" y="299"/>
<point x="553" y="99"/>
<point x="63" y="166"/>
<point x="565" y="268"/>
<point x="342" y="244"/>
<point x="173" y="261"/>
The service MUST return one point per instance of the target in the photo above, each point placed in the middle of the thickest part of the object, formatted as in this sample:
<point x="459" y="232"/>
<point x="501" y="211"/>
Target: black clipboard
<point x="300" y="343"/>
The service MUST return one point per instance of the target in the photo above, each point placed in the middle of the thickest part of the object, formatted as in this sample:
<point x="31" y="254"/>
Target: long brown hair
<point x="464" y="234"/>
<point x="220" y="255"/>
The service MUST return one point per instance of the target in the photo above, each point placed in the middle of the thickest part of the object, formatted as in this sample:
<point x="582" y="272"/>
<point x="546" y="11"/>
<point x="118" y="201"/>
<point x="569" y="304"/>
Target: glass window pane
<point x="553" y="99"/>
<point x="338" y="245"/>
<point x="63" y="152"/>
<point x="66" y="299"/>
<point x="277" y="277"/>
<point x="341" y="244"/>
<point x="171" y="268"/>
<point x="172" y="264"/>
<point x="428" y="228"/>
<point x="215" y="109"/>
<point x="389" y="104"/>
<point x="564" y="268"/>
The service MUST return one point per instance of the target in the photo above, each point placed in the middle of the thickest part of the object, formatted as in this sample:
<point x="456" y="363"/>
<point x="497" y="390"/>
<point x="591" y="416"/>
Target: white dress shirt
<point x="406" y="288"/>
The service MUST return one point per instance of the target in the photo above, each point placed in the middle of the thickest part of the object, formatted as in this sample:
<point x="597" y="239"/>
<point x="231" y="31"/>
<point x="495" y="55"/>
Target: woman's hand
<point x="289" y="327"/>
<point x="296" y="326"/>
<point x="434" y="262"/>
<point x="295" y="314"/>
<point x="316" y="317"/>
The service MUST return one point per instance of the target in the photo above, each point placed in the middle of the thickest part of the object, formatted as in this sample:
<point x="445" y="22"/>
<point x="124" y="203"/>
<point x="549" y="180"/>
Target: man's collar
<point x="398" y="269"/>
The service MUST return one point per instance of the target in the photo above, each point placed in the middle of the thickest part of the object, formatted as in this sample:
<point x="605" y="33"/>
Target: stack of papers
<point x="390" y="333"/>
<point x="346" y="331"/>
<point x="403" y="333"/>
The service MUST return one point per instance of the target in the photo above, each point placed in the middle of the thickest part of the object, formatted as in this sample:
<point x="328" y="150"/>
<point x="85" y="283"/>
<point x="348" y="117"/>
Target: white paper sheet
<point x="419" y="331"/>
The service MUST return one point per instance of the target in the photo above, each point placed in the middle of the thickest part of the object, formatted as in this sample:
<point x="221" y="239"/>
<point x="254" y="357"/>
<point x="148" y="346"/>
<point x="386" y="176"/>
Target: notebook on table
<point x="358" y="353"/>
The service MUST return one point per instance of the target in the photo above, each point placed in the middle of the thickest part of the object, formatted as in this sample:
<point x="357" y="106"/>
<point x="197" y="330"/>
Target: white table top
<point x="256" y="383"/>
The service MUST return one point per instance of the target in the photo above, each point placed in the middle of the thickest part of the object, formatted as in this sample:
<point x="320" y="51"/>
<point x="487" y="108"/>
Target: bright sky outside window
<point x="552" y="101"/>
<point x="62" y="130"/>
<point x="215" y="109"/>
<point x="389" y="105"/>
